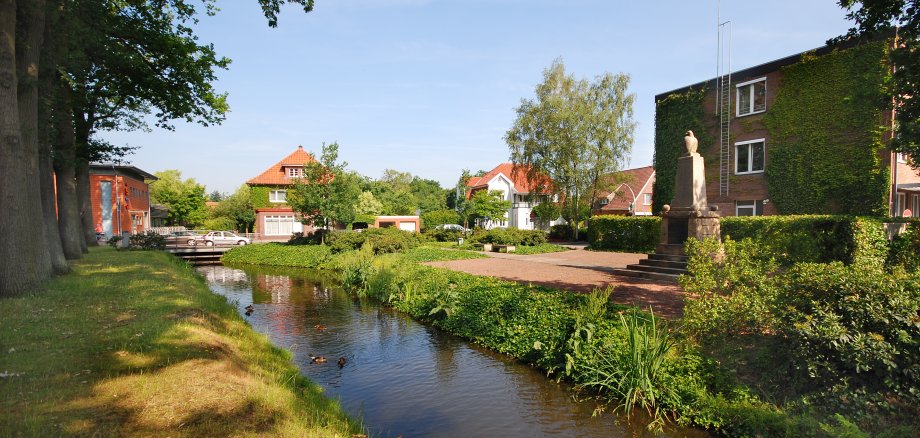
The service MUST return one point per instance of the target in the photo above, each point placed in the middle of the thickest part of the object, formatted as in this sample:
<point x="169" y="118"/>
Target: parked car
<point x="224" y="238"/>
<point x="451" y="227"/>
<point x="180" y="237"/>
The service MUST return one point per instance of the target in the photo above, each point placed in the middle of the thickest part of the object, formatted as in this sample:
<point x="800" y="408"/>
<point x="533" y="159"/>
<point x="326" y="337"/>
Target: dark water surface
<point x="402" y="377"/>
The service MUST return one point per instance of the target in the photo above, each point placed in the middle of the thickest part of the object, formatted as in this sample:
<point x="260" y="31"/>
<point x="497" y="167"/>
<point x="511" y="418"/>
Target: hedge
<point x="624" y="233"/>
<point x="816" y="239"/>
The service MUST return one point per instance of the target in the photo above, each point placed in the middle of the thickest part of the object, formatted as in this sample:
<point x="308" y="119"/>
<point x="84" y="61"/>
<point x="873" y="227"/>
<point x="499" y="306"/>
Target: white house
<point x="512" y="181"/>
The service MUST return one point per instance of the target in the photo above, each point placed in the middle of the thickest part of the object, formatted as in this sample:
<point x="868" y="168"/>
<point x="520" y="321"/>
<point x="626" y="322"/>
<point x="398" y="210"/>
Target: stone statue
<point x="691" y="143"/>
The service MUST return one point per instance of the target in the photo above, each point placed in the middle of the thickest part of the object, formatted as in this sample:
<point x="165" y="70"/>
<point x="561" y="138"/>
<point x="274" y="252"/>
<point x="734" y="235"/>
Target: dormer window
<point x="295" y="172"/>
<point x="605" y="201"/>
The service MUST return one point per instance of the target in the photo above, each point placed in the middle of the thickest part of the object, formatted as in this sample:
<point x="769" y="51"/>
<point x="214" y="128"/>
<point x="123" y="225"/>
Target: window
<point x="277" y="196"/>
<point x="916" y="205"/>
<point x="647" y="199"/>
<point x="752" y="97"/>
<point x="901" y="205"/>
<point x="901" y="158"/>
<point x="749" y="208"/>
<point x="295" y="172"/>
<point x="749" y="157"/>
<point x="281" y="226"/>
<point x="604" y="201"/>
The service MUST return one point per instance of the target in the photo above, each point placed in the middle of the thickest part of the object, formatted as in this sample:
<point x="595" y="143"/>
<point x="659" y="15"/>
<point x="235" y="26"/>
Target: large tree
<point x="874" y="17"/>
<point x="488" y="205"/>
<point x="572" y="134"/>
<point x="327" y="193"/>
<point x="183" y="198"/>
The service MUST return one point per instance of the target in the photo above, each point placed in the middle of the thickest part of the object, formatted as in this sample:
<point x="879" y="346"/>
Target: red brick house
<point x="119" y="198"/>
<point x="275" y="219"/>
<point x="748" y="139"/>
<point x="631" y="195"/>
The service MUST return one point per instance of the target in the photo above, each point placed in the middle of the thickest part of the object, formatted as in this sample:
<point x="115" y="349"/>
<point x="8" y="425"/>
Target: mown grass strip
<point x="134" y="343"/>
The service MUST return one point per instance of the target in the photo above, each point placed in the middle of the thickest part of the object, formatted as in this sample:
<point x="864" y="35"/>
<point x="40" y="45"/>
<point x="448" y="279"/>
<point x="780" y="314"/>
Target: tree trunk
<point x="85" y="204"/>
<point x="64" y="166"/>
<point x="21" y="270"/>
<point x="30" y="32"/>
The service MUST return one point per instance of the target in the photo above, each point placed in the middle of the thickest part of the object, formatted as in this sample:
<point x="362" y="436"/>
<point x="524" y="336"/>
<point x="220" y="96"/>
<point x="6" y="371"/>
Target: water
<point x="402" y="377"/>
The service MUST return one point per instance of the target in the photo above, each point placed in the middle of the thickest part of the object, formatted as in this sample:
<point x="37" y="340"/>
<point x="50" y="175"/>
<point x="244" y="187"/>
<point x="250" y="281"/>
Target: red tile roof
<point x="276" y="175"/>
<point x="640" y="180"/>
<point x="517" y="175"/>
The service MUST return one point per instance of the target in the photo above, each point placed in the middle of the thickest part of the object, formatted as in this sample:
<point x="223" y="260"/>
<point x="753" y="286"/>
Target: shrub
<point x="220" y="223"/>
<point x="149" y="240"/>
<point x="733" y="285"/>
<point x="432" y="219"/>
<point x="561" y="232"/>
<point x="904" y="251"/>
<point x="314" y="237"/>
<point x="113" y="241"/>
<point x="277" y="254"/>
<point x="510" y="236"/>
<point x="382" y="240"/>
<point x="624" y="233"/>
<point x="819" y="239"/>
<point x="853" y="330"/>
<point x="443" y="235"/>
<point x="357" y="268"/>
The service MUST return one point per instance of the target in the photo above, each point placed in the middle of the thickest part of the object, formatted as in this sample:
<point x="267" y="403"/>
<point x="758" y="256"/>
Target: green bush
<point x="624" y="233"/>
<point x="818" y="239"/>
<point x="509" y="236"/>
<point x="357" y="268"/>
<point x="732" y="284"/>
<point x="220" y="223"/>
<point x="853" y="330"/>
<point x="432" y="219"/>
<point x="382" y="240"/>
<point x="561" y="232"/>
<point x="904" y="251"/>
<point x="443" y="235"/>
<point x="278" y="254"/>
<point x="149" y="240"/>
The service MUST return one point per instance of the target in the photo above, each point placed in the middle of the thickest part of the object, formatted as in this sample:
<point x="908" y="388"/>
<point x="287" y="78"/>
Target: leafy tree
<point x="183" y="198"/>
<point x="428" y="194"/>
<point x="367" y="204"/>
<point x="573" y="134"/>
<point x="432" y="219"/>
<point x="547" y="212"/>
<point x="462" y="205"/>
<point x="238" y="209"/>
<point x="878" y="17"/>
<point x="216" y="196"/>
<point x="327" y="193"/>
<point x="489" y="205"/>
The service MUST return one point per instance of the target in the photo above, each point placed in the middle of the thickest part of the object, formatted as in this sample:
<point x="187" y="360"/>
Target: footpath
<point x="579" y="270"/>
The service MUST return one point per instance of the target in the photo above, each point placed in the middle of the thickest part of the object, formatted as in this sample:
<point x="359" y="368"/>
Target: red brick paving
<point x="579" y="271"/>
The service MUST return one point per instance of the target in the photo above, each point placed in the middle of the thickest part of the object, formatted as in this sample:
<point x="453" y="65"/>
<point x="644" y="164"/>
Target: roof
<point x="276" y="175"/>
<point x="640" y="180"/>
<point x="120" y="169"/>
<point x="517" y="174"/>
<point x="762" y="69"/>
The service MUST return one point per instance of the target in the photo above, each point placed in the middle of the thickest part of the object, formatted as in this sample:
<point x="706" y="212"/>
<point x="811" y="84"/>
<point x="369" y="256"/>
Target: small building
<point x="120" y="198"/>
<point x="512" y="181"/>
<point x="275" y="219"/>
<point x="405" y="223"/>
<point x="631" y="193"/>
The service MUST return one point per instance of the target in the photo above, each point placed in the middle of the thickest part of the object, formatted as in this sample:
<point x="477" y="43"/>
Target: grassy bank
<point x="134" y="343"/>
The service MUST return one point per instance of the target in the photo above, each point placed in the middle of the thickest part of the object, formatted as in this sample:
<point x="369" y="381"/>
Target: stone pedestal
<point x="688" y="215"/>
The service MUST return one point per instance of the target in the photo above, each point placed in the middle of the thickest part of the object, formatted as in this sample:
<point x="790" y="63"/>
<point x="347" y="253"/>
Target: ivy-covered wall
<point x="259" y="195"/>
<point x="674" y="115"/>
<point x="826" y="134"/>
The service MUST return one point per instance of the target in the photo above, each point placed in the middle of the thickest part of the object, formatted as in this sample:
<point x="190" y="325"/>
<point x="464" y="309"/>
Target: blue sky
<point x="430" y="86"/>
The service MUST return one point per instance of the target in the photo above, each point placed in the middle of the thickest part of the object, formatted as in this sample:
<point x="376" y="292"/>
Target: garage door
<point x="407" y="226"/>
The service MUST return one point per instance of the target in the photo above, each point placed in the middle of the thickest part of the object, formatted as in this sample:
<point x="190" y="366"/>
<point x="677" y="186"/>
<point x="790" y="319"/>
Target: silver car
<point x="224" y="238"/>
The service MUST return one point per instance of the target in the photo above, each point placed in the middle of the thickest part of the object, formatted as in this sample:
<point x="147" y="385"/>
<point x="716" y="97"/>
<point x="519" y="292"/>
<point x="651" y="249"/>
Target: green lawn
<point x="134" y="343"/>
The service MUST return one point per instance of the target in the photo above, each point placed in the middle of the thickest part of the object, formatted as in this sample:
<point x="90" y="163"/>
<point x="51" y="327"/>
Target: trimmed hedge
<point x="510" y="236"/>
<point x="816" y="239"/>
<point x="624" y="233"/>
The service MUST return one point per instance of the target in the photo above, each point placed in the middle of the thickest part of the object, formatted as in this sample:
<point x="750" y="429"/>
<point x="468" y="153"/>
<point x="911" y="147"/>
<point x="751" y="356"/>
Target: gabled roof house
<point x="524" y="195"/>
<point x="630" y="193"/>
<point x="275" y="219"/>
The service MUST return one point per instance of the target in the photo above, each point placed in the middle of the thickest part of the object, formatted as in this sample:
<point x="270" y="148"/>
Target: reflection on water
<point x="402" y="377"/>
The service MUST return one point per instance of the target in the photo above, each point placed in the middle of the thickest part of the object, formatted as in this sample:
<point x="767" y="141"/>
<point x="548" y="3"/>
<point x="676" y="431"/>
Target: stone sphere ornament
<point x="691" y="142"/>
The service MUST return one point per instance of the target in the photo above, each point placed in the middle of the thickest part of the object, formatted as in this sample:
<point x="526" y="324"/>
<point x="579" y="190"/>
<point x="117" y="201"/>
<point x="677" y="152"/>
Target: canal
<point x="402" y="377"/>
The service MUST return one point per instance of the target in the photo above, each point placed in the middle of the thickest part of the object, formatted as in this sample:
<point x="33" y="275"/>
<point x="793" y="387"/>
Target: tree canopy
<point x="489" y="205"/>
<point x="184" y="198"/>
<point x="327" y="193"/>
<point x="574" y="132"/>
<point x="877" y="17"/>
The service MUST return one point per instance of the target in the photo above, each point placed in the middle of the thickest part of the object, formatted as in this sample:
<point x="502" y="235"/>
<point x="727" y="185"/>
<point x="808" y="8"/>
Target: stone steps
<point x="661" y="267"/>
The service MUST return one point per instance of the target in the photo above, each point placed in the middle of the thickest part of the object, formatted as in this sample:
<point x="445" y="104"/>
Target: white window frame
<point x="901" y="158"/>
<point x="915" y="210"/>
<point x="284" y="225"/>
<point x="748" y="204"/>
<point x="901" y="205"/>
<point x="750" y="162"/>
<point x="750" y="109"/>
<point x="646" y="199"/>
<point x="273" y="196"/>
<point x="295" y="172"/>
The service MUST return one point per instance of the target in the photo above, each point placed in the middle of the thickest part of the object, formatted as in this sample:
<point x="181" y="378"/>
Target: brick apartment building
<point x="815" y="162"/>
<point x="119" y="198"/>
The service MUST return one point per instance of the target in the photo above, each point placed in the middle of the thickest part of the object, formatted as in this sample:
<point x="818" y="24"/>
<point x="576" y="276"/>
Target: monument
<point x="688" y="215"/>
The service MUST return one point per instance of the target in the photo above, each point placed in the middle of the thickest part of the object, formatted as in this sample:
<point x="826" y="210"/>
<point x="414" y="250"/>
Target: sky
<point x="430" y="86"/>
